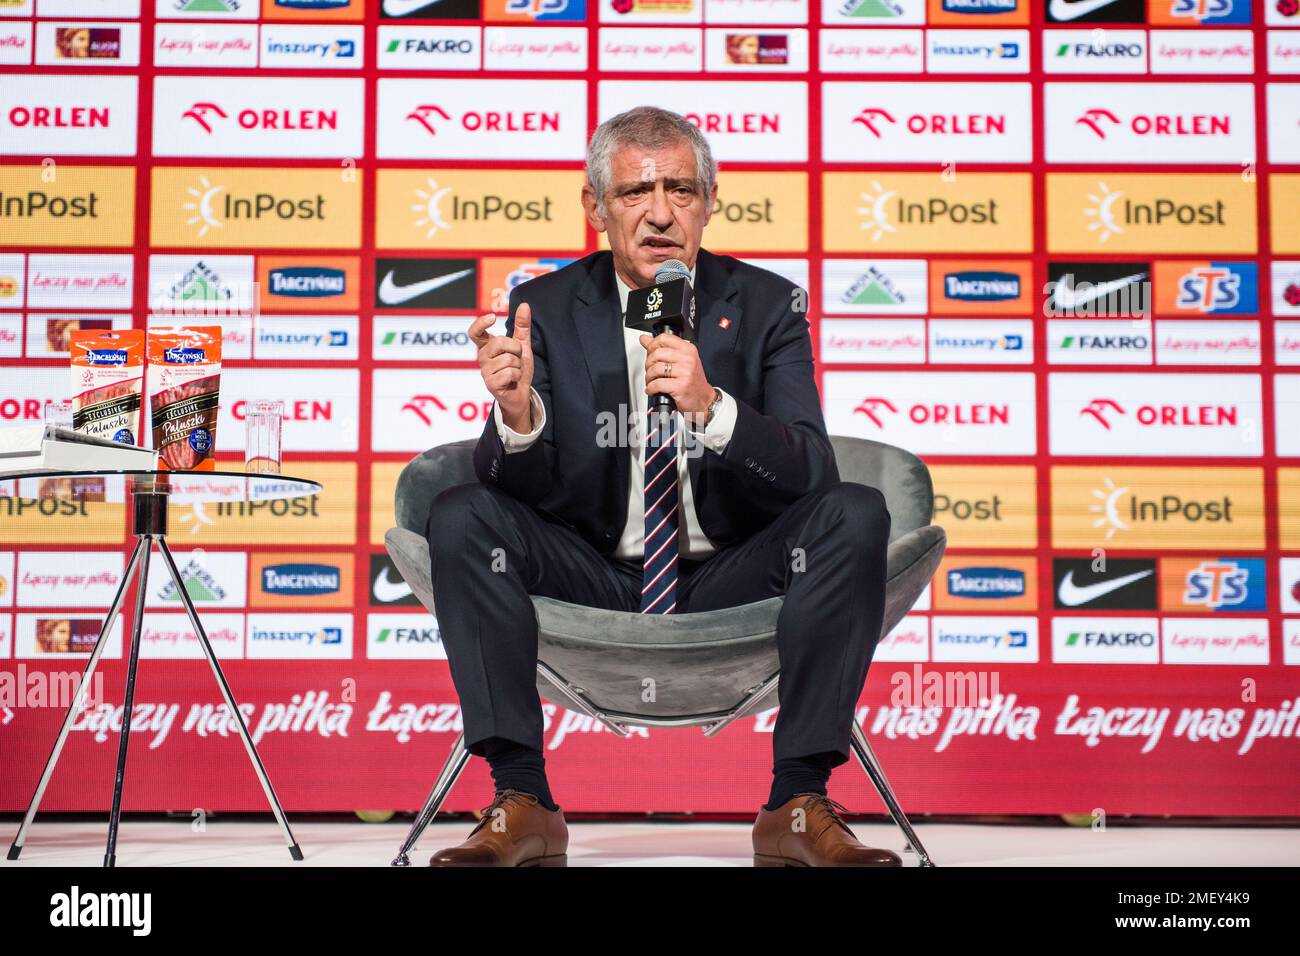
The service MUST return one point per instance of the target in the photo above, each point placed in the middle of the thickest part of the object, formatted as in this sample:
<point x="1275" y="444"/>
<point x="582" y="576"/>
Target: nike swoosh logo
<point x="400" y="8"/>
<point x="387" y="591"/>
<point x="1072" y="298"/>
<point x="390" y="293"/>
<point x="1072" y="595"/>
<point x="1060" y="9"/>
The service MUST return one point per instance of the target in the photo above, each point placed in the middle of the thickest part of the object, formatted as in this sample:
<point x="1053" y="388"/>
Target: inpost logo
<point x="70" y="206"/>
<point x="468" y="208"/>
<point x="1174" y="509"/>
<point x="982" y="506"/>
<point x="1288" y="509"/>
<point x="1283" y="201"/>
<point x="927" y="212"/>
<point x="326" y="518"/>
<point x="1137" y="212"/>
<point x="256" y="208"/>
<point x="762" y="212"/>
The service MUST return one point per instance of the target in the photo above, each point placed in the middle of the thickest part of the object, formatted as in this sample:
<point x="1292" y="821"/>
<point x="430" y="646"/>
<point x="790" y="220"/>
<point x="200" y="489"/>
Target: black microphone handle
<point x="662" y="402"/>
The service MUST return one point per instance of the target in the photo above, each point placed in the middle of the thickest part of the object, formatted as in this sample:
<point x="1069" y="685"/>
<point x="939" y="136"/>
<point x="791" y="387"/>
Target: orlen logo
<point x="61" y="117"/>
<point x="1176" y="416"/>
<point x="428" y="407"/>
<point x="21" y="409"/>
<point x="937" y="413"/>
<point x="429" y="115"/>
<point x="733" y="123"/>
<point x="302" y="410"/>
<point x="206" y="116"/>
<point x="953" y="124"/>
<point x="1101" y="120"/>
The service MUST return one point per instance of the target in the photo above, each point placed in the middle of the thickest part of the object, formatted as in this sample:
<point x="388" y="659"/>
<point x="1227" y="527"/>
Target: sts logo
<point x="1207" y="288"/>
<point x="1212" y="584"/>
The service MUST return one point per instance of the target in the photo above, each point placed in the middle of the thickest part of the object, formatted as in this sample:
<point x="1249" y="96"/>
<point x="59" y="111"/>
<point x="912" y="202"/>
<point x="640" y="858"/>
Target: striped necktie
<point x="659" y="579"/>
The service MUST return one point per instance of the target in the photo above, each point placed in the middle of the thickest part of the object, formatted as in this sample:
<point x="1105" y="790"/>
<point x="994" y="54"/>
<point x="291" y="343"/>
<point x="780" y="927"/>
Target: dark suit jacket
<point x="778" y="452"/>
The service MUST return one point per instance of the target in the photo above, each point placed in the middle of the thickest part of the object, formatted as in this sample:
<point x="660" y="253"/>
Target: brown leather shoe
<point x="516" y="830"/>
<point x="807" y="831"/>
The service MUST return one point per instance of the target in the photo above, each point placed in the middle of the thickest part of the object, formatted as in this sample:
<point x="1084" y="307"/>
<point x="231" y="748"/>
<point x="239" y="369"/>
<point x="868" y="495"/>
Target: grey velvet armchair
<point x="714" y="666"/>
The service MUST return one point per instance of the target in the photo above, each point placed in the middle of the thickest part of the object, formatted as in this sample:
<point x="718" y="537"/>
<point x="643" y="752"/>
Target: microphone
<point x="666" y="306"/>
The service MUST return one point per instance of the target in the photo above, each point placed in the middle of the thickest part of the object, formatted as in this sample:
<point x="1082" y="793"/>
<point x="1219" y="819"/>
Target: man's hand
<point x="684" y="381"/>
<point x="506" y="364"/>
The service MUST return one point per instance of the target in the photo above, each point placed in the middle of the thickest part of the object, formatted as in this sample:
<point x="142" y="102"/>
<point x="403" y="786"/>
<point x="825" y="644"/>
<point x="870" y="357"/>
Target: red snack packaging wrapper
<point x="107" y="379"/>
<point x="184" y="395"/>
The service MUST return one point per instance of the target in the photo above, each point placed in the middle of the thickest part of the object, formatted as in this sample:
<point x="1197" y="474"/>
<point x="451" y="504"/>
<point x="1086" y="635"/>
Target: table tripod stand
<point x="150" y="492"/>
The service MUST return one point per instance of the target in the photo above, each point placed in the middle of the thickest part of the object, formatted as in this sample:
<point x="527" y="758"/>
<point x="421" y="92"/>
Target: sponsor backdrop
<point x="1052" y="246"/>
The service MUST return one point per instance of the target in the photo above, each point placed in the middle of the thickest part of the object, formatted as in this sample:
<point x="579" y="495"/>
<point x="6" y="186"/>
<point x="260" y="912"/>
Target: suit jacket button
<point x="749" y="463"/>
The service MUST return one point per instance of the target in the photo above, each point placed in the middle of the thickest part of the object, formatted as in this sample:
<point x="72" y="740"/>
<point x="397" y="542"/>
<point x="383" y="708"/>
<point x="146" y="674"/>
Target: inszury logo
<point x="209" y="115"/>
<point x="1119" y="584"/>
<point x="1183" y="415"/>
<point x="430" y="115"/>
<point x="952" y="124"/>
<point x="426" y="283"/>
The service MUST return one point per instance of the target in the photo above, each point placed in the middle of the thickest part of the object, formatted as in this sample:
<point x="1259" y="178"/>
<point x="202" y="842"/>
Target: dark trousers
<point x="826" y="554"/>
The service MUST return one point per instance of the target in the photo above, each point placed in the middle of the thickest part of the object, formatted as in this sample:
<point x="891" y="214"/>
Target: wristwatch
<point x="713" y="406"/>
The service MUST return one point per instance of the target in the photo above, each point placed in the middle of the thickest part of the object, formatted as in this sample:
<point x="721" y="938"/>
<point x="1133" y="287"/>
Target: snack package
<point x="107" y="379"/>
<point x="184" y="381"/>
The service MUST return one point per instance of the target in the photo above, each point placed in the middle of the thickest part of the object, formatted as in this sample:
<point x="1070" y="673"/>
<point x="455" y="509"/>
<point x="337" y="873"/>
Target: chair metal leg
<point x="451" y="771"/>
<point x="866" y="757"/>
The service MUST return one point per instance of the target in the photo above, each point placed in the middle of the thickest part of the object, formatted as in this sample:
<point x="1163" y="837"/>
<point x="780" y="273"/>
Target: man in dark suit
<point x="751" y="506"/>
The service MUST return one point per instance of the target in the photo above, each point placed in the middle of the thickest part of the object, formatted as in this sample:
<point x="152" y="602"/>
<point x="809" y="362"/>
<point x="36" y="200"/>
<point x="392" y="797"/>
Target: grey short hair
<point x="650" y="128"/>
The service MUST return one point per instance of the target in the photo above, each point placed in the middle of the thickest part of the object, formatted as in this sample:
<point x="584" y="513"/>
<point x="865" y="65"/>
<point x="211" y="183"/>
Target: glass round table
<point x="148" y="493"/>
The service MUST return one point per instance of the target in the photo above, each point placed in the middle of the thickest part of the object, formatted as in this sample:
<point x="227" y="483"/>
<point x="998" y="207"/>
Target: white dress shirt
<point x="692" y="542"/>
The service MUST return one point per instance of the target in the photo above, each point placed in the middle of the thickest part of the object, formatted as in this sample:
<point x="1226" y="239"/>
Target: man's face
<point x="656" y="210"/>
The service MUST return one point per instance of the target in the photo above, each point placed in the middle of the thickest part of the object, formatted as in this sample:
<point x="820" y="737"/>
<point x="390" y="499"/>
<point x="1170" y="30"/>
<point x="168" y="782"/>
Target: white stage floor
<point x="238" y="843"/>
